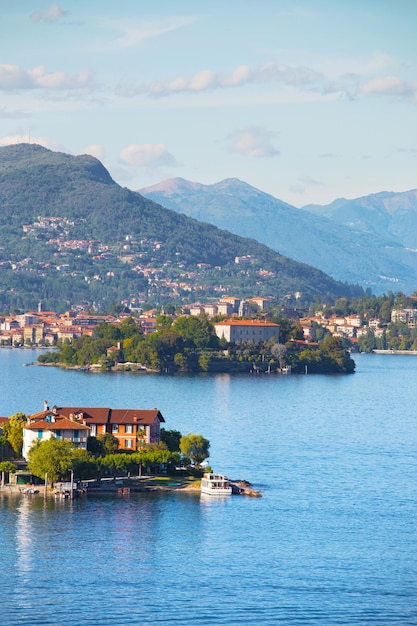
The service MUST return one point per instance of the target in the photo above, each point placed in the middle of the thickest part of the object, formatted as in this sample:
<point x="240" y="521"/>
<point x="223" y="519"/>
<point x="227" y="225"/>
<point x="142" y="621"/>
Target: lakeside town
<point x="49" y="328"/>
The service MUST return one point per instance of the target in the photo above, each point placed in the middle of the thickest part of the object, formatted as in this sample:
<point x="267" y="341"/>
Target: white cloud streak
<point x="51" y="14"/>
<point x="207" y="79"/>
<point x="133" y="34"/>
<point x="298" y="78"/>
<point x="13" y="77"/>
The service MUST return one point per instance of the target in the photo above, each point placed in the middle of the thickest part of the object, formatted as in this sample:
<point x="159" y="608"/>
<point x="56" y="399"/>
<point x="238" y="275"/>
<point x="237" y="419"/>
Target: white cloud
<point x="297" y="79"/>
<point x="253" y="141"/>
<point x="95" y="150"/>
<point x="52" y="14"/>
<point x="242" y="75"/>
<point x="14" y="77"/>
<point x="389" y="85"/>
<point x="147" y="155"/>
<point x="134" y="33"/>
<point x="29" y="138"/>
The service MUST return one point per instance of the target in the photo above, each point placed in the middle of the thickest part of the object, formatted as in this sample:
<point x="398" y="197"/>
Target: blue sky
<point x="308" y="101"/>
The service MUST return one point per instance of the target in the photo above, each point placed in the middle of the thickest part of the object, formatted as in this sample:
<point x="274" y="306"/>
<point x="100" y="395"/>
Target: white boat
<point x="215" y="485"/>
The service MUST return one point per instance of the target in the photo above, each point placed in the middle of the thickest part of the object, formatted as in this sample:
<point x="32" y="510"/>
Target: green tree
<point x="195" y="447"/>
<point x="180" y="360"/>
<point x="6" y="467"/>
<point x="5" y="448"/>
<point x="204" y="361"/>
<point x="13" y="430"/>
<point x="285" y="327"/>
<point x="66" y="354"/>
<point x="197" y="332"/>
<point x="334" y="349"/>
<point x="95" y="446"/>
<point x="53" y="457"/>
<point x="129" y="328"/>
<point x="108" y="331"/>
<point x="84" y="465"/>
<point x="297" y="332"/>
<point x="163" y="322"/>
<point x="109" y="442"/>
<point x="171" y="438"/>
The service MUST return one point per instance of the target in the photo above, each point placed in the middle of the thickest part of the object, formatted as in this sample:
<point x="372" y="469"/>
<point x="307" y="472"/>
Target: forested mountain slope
<point x="70" y="234"/>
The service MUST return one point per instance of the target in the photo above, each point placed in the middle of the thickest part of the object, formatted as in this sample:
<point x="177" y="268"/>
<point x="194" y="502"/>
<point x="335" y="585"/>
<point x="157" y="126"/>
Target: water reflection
<point x="24" y="539"/>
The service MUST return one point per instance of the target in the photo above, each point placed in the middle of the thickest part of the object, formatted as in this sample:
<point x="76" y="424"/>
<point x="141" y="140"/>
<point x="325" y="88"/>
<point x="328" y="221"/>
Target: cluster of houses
<point x="131" y="427"/>
<point x="48" y="327"/>
<point x="348" y="326"/>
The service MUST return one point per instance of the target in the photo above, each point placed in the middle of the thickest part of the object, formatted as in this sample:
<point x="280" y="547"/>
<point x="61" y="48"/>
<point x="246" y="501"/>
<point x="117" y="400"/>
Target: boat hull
<point x="215" y="485"/>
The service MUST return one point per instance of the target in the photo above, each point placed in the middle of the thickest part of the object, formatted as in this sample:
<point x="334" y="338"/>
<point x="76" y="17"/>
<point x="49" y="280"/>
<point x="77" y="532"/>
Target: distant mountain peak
<point x="172" y="187"/>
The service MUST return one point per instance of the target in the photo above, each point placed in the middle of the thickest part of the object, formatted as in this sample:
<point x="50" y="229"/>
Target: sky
<point x="308" y="100"/>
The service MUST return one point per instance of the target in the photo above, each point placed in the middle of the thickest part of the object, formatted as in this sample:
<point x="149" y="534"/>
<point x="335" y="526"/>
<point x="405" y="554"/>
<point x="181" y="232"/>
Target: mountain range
<point x="70" y="234"/>
<point x="371" y="241"/>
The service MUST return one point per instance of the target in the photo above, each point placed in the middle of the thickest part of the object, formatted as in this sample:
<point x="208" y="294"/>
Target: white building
<point x="247" y="330"/>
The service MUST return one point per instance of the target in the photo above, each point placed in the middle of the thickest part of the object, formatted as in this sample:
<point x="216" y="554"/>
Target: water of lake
<point x="332" y="541"/>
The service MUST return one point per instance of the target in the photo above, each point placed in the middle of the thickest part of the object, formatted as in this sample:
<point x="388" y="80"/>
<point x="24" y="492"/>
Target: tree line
<point x="189" y="343"/>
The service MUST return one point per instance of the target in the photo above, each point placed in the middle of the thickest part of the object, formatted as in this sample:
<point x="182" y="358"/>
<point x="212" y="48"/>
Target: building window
<point x="129" y="429"/>
<point x="115" y="428"/>
<point x="128" y="443"/>
<point x="93" y="431"/>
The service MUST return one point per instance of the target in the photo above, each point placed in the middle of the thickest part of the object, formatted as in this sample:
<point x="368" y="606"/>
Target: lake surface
<point x="332" y="541"/>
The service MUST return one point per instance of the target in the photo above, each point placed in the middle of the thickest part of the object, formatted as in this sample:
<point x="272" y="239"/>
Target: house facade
<point x="237" y="331"/>
<point x="131" y="427"/>
<point x="54" y="425"/>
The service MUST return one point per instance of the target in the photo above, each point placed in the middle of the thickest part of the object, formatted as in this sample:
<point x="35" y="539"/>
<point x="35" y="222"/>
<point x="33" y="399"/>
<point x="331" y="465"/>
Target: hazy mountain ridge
<point x="80" y="192"/>
<point x="342" y="250"/>
<point x="394" y="214"/>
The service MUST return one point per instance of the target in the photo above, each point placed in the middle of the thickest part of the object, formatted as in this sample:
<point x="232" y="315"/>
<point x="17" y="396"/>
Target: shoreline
<point x="127" y="486"/>
<point x="412" y="352"/>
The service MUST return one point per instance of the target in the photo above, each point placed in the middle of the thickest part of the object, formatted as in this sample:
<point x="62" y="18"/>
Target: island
<point x="67" y="451"/>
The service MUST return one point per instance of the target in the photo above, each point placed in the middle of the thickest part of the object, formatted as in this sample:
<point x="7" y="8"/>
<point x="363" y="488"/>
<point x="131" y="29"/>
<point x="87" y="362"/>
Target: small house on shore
<point x="131" y="427"/>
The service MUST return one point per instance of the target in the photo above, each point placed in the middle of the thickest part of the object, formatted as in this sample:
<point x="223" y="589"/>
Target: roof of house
<point x="252" y="323"/>
<point x="61" y="423"/>
<point x="105" y="415"/>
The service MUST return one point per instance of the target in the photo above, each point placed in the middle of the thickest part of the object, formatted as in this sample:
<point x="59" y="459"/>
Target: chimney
<point x="45" y="405"/>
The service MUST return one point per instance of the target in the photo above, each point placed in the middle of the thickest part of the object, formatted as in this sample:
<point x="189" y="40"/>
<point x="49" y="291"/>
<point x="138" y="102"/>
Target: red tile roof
<point x="260" y="323"/>
<point x="61" y="423"/>
<point x="105" y="415"/>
